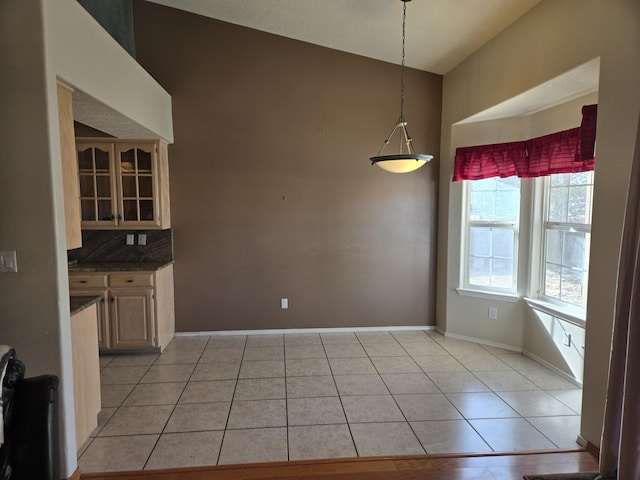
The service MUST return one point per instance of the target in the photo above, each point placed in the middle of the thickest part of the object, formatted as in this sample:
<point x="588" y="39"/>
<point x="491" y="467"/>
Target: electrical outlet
<point x="284" y="303"/>
<point x="142" y="239"/>
<point x="8" y="262"/>
<point x="493" y="313"/>
<point x="567" y="339"/>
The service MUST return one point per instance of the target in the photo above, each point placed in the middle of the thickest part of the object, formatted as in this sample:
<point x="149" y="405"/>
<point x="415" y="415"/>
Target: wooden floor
<point x="429" y="467"/>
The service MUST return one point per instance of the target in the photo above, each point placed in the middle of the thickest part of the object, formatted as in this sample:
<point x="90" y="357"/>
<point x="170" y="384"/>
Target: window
<point x="493" y="210"/>
<point x="567" y="238"/>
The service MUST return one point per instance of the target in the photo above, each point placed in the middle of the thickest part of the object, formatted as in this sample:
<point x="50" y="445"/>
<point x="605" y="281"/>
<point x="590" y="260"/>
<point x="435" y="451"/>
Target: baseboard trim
<point x="277" y="331"/>
<point x="592" y="449"/>
<point x="564" y="375"/>
<point x="479" y="340"/>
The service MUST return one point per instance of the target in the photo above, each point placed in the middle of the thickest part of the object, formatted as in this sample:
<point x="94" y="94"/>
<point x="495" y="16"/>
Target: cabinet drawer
<point x="131" y="280"/>
<point x="87" y="281"/>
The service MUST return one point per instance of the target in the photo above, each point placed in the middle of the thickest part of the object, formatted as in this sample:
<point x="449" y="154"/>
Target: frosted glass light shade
<point x="401" y="163"/>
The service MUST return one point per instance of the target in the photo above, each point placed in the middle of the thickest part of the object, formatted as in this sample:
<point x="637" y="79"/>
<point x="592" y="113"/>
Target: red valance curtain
<point x="568" y="151"/>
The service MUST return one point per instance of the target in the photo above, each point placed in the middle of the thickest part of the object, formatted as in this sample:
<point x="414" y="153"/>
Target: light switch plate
<point x="284" y="303"/>
<point x="8" y="262"/>
<point x="131" y="239"/>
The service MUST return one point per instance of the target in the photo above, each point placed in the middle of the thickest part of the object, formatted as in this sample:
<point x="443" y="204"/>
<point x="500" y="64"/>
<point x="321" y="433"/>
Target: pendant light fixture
<point x="406" y="160"/>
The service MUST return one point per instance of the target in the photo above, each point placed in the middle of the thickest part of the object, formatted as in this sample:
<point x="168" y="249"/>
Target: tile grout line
<point x="340" y="396"/>
<point x="235" y="388"/>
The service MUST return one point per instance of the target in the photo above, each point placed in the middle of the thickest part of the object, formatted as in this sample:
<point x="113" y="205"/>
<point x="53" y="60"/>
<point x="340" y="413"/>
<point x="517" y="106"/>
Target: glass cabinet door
<point x="136" y="176"/>
<point x="96" y="184"/>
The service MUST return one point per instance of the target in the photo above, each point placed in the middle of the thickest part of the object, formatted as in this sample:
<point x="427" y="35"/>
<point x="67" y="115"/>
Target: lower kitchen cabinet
<point x="131" y="314"/>
<point x="136" y="311"/>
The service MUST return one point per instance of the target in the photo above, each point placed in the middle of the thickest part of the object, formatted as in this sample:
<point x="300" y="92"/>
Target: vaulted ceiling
<point x="440" y="33"/>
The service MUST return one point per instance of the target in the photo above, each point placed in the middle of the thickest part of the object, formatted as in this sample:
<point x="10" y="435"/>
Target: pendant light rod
<point x="404" y="36"/>
<point x="409" y="161"/>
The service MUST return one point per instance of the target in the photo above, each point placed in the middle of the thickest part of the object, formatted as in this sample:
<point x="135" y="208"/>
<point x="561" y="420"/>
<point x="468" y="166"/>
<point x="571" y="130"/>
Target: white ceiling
<point x="440" y="33"/>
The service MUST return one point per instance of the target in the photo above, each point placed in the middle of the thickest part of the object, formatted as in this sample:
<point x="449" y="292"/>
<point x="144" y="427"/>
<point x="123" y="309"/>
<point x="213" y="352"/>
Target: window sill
<point x="571" y="315"/>
<point x="504" y="297"/>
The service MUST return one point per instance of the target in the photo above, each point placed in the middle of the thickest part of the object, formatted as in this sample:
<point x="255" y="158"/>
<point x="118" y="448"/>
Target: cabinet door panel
<point x="104" y="339"/>
<point x="123" y="184"/>
<point x="131" y="318"/>
<point x="96" y="184"/>
<point x="137" y="175"/>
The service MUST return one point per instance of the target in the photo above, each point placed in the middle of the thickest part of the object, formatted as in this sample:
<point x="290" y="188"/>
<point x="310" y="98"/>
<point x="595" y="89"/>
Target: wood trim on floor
<point x="593" y="450"/>
<point x="434" y="467"/>
<point x="77" y="475"/>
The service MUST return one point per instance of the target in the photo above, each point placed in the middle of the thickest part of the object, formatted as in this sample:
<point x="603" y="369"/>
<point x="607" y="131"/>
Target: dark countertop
<point x="118" y="267"/>
<point x="80" y="302"/>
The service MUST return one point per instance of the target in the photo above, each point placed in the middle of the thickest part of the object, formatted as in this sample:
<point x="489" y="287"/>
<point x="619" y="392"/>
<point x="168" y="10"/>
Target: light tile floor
<point x="243" y="399"/>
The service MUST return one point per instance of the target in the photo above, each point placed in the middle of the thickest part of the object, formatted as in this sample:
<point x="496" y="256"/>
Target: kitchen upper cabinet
<point x="69" y="167"/>
<point x="123" y="184"/>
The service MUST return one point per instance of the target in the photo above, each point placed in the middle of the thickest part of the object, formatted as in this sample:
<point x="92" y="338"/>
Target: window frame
<point x="546" y="225"/>
<point x="466" y="232"/>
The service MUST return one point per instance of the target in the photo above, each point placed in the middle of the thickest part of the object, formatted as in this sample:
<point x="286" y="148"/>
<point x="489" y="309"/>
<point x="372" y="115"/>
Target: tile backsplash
<point x="110" y="246"/>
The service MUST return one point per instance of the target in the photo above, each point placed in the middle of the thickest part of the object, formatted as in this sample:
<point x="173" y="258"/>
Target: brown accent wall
<point x="272" y="193"/>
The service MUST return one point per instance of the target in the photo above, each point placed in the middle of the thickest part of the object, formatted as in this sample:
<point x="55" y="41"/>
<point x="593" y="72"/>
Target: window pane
<point x="105" y="211"/>
<point x="502" y="273"/>
<point x="492" y="258"/>
<point x="573" y="254"/>
<point x="480" y="271"/>
<point x="145" y="185"/>
<point x="102" y="160"/>
<point x="582" y="178"/>
<point x="103" y="184"/>
<point x="128" y="161"/>
<point x="487" y="184"/>
<point x="558" y="204"/>
<point x="552" y="278"/>
<point x="491" y="255"/>
<point x="507" y="206"/>
<point x="146" y="209"/>
<point x="87" y="207"/>
<point x="130" y="213"/>
<point x="482" y="206"/>
<point x="566" y="262"/>
<point x="85" y="160"/>
<point x="86" y="186"/>
<point x="560" y="179"/>
<point x="566" y="255"/>
<point x="480" y="241"/>
<point x="129" y="186"/>
<point x="554" y="246"/>
<point x="502" y="242"/>
<point x="495" y="199"/>
<point x="572" y="286"/>
<point x="144" y="161"/>
<point x="577" y="205"/>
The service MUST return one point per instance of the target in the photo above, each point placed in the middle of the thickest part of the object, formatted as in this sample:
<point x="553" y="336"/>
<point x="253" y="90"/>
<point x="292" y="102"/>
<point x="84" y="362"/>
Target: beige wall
<point x="553" y="38"/>
<point x="260" y="118"/>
